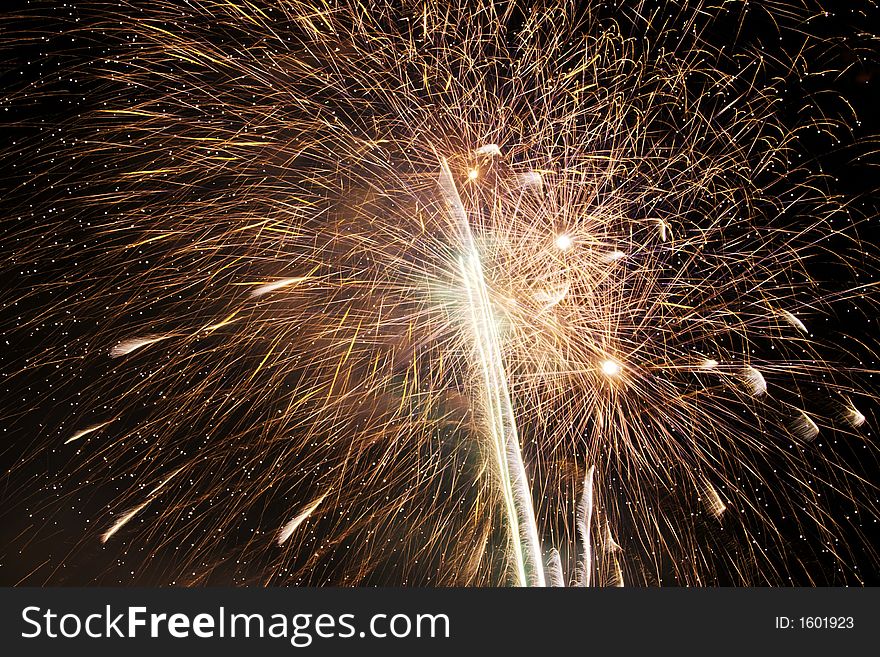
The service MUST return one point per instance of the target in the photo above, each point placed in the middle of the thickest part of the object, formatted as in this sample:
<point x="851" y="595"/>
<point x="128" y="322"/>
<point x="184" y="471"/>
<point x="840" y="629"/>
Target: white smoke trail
<point x="584" y="520"/>
<point x="502" y="424"/>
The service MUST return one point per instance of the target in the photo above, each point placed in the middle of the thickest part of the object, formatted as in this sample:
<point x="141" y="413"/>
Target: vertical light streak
<point x="555" y="578"/>
<point x="499" y="409"/>
<point x="585" y="518"/>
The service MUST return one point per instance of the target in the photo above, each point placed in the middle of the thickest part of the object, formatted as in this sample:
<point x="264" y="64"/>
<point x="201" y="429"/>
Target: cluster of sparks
<point x="447" y="293"/>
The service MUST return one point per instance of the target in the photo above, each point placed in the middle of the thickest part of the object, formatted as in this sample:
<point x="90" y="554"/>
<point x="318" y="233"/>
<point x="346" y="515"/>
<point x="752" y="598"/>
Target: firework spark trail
<point x="277" y="285"/>
<point x="285" y="532"/>
<point x="584" y="521"/>
<point x="133" y="344"/>
<point x="126" y="517"/>
<point x="84" y="432"/>
<point x="714" y="503"/>
<point x="555" y="574"/>
<point x="122" y="521"/>
<point x="499" y="409"/>
<point x="233" y="248"/>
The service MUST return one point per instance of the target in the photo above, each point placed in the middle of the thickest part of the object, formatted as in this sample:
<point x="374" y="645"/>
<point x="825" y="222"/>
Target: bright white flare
<point x="563" y="242"/>
<point x="610" y="367"/>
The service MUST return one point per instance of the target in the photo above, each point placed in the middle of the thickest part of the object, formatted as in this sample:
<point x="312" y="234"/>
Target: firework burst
<point x="441" y="293"/>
